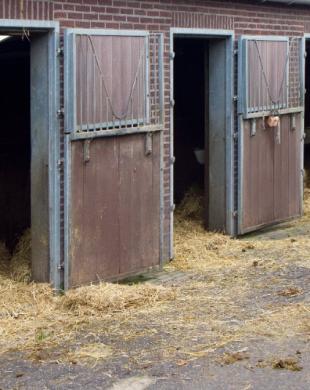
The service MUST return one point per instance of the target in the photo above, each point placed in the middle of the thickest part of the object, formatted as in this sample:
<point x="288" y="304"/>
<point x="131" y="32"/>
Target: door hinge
<point x="235" y="136"/>
<point x="60" y="162"/>
<point x="86" y="151"/>
<point x="148" y="144"/>
<point x="172" y="207"/>
<point x="235" y="98"/>
<point x="60" y="266"/>
<point x="61" y="113"/>
<point x="172" y="160"/>
<point x="235" y="52"/>
<point x="235" y="214"/>
<point x="172" y="102"/>
<point x="60" y="51"/>
<point x="305" y="54"/>
<point x="172" y="55"/>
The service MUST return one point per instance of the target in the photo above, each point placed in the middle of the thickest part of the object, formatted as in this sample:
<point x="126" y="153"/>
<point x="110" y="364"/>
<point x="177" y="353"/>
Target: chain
<point x="265" y="77"/>
<point x="123" y="115"/>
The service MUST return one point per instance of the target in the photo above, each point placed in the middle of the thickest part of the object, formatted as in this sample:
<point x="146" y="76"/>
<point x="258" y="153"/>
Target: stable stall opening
<point x="307" y="118"/>
<point x="200" y="125"/>
<point x="190" y="124"/>
<point x="24" y="154"/>
<point x="15" y="153"/>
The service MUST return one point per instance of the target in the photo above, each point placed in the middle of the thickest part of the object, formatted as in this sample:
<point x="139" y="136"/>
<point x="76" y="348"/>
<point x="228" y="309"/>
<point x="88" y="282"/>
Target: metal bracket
<point x="236" y="52"/>
<point x="235" y="214"/>
<point x="60" y="51"/>
<point x="253" y="127"/>
<point x="172" y="207"/>
<point x="293" y="122"/>
<point x="148" y="144"/>
<point x="172" y="160"/>
<point x="60" y="266"/>
<point x="60" y="162"/>
<point x="60" y="113"/>
<point x="235" y="136"/>
<point x="172" y="102"/>
<point x="235" y="98"/>
<point x="86" y="151"/>
<point x="278" y="133"/>
<point x="172" y="55"/>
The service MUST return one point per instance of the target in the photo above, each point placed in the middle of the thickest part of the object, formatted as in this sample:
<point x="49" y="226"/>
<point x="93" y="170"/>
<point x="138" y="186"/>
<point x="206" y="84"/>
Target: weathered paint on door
<point x="115" y="208"/>
<point x="270" y="168"/>
<point x="271" y="190"/>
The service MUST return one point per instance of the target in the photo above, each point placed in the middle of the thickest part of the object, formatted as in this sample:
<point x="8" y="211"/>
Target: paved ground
<point x="228" y="337"/>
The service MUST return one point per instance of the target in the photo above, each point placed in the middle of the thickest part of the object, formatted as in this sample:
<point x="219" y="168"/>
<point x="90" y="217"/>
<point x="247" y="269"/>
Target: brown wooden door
<point x="113" y="158"/>
<point x="270" y="158"/>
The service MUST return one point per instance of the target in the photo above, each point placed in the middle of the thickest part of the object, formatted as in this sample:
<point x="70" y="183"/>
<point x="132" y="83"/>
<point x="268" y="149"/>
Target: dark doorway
<point x="15" y="153"/>
<point x="201" y="86"/>
<point x="190" y="117"/>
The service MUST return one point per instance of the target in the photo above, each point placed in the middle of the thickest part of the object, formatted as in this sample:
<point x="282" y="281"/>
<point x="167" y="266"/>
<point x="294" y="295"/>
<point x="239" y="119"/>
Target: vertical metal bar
<point x="147" y="79"/>
<point x="86" y="87"/>
<point x="155" y="59"/>
<point x="81" y="76"/>
<point x="101" y="120"/>
<point x="161" y="78"/>
<point x="171" y="150"/>
<point x="54" y="154"/>
<point x="94" y="92"/>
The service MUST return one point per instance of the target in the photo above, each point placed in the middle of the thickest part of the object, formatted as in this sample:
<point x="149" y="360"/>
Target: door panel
<point x="270" y="170"/>
<point x="113" y="156"/>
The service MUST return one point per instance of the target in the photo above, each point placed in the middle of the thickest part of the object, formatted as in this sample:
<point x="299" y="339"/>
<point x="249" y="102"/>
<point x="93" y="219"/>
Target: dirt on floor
<point x="228" y="294"/>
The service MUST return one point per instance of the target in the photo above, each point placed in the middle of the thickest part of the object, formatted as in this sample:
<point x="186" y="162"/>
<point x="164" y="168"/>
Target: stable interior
<point x="190" y="117"/>
<point x="15" y="149"/>
<point x="200" y="125"/>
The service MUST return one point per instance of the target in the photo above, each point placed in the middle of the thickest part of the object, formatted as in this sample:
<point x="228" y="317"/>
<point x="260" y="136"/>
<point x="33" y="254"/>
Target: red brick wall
<point x="243" y="17"/>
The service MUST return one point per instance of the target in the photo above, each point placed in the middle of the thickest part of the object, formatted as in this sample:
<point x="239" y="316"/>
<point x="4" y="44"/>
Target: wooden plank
<point x="115" y="208"/>
<point x="95" y="209"/>
<point x="139" y="205"/>
<point x="282" y="174"/>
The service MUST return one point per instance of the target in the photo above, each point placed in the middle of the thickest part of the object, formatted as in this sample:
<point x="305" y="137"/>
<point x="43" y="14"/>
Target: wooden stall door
<point x="270" y="164"/>
<point x="112" y="157"/>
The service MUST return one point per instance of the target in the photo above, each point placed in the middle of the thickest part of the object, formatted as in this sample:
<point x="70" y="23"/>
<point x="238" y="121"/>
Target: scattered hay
<point x="287" y="364"/>
<point x="192" y="205"/>
<point x="107" y="297"/>
<point x="90" y="352"/>
<point x="233" y="357"/>
<point x="290" y="292"/>
<point x="4" y="259"/>
<point x="20" y="266"/>
<point x="291" y="364"/>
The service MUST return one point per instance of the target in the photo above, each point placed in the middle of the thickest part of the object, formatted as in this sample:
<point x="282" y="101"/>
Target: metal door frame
<point x="207" y="34"/>
<point x="242" y="101"/>
<point x="51" y="28"/>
